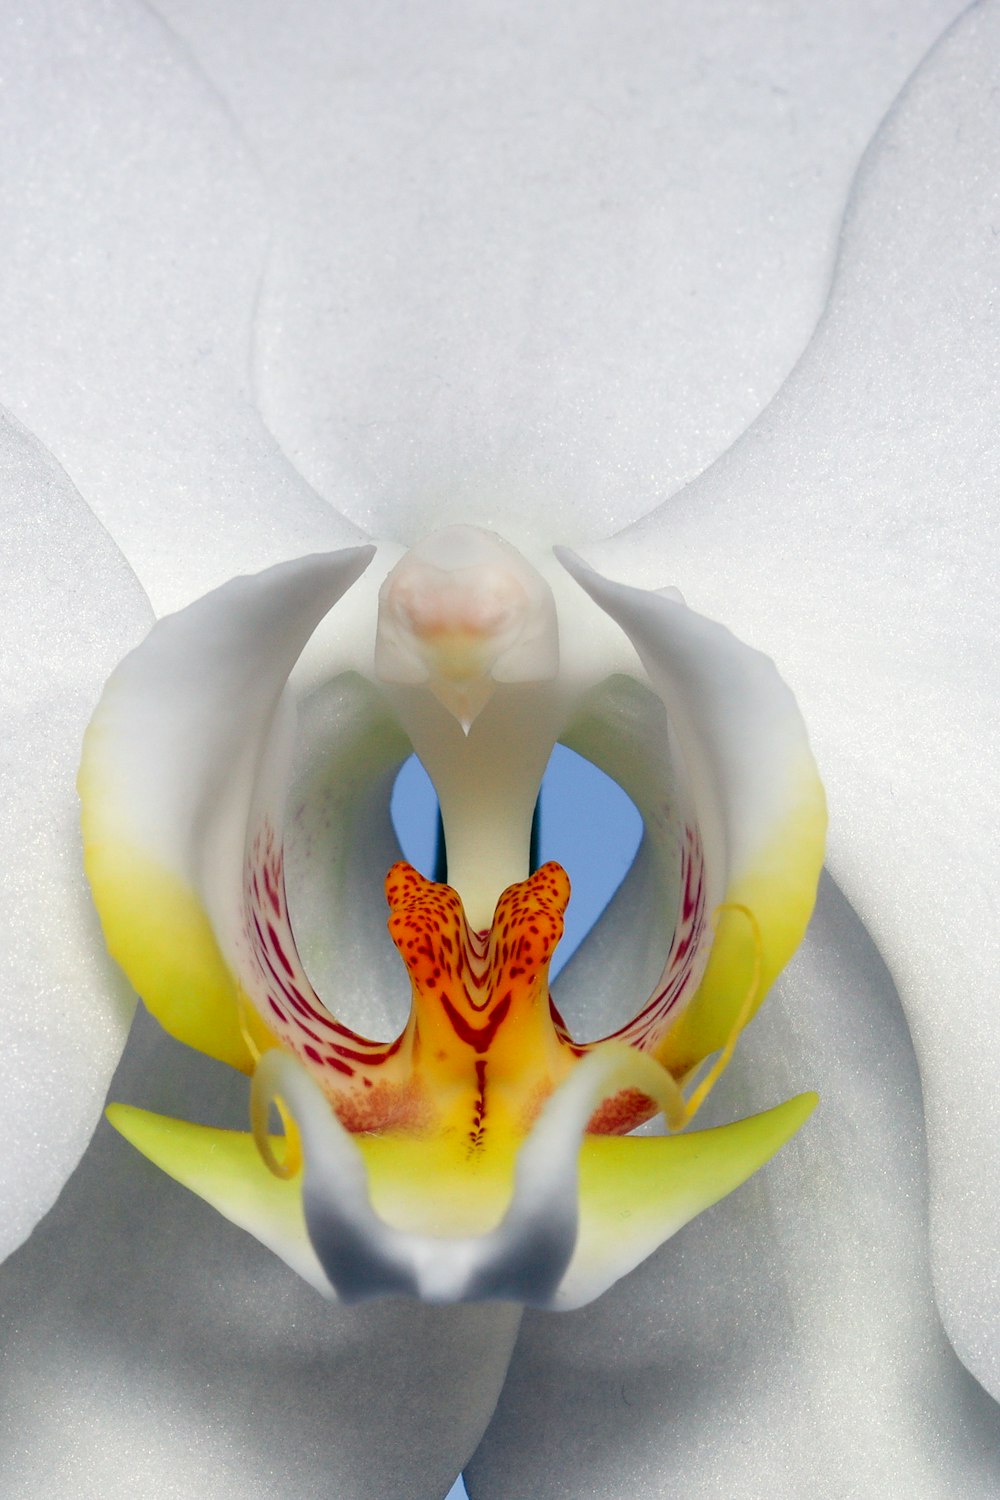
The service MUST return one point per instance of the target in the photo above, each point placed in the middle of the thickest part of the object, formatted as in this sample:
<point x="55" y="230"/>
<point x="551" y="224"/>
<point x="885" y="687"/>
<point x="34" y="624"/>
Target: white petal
<point x="852" y="534"/>
<point x="137" y="235"/>
<point x="785" y="1343"/>
<point x="149" y="1349"/>
<point x="753" y="834"/>
<point x="624" y="729"/>
<point x="534" y="274"/>
<point x="185" y="760"/>
<point x="339" y="844"/>
<point x="68" y="609"/>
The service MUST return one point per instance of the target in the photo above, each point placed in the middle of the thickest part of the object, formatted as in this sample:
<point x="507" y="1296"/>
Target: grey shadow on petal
<point x="791" y="1329"/>
<point x="150" y="1347"/>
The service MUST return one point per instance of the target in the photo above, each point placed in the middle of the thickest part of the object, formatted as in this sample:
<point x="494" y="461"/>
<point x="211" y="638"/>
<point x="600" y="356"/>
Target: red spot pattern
<point x="279" y="988"/>
<point x="680" y="978"/>
<point x="474" y="974"/>
<point x="475" y="984"/>
<point x="622" y="1113"/>
<point x="478" y="1129"/>
<point x="684" y="965"/>
<point x="470" y="989"/>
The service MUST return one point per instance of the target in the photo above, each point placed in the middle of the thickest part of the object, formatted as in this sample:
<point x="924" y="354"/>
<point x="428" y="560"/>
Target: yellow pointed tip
<point x="135" y="1125"/>
<point x="635" y="1192"/>
<point x="223" y="1167"/>
<point x="796" y="1111"/>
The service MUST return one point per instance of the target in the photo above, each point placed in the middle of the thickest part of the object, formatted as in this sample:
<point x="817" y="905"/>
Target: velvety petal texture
<point x="136" y="236"/>
<point x="70" y="606"/>
<point x="866" y="498"/>
<point x="786" y="1343"/>
<point x="550" y="267"/>
<point x="185" y="756"/>
<point x="543" y="267"/>
<point x="151" y="1349"/>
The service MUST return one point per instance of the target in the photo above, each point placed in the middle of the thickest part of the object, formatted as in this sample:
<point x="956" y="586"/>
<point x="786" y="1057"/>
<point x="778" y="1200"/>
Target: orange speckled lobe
<point x="427" y="925"/>
<point x="481" y="1021"/>
<point x="483" y="1031"/>
<point x="528" y="924"/>
<point x="484" y="1046"/>
<point x="476" y="978"/>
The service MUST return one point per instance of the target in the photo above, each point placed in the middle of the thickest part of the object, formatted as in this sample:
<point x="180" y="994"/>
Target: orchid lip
<point x="522" y="1259"/>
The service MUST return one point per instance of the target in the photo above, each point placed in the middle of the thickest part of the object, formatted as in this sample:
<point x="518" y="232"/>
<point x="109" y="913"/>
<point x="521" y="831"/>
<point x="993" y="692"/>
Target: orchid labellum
<point x="445" y="1161"/>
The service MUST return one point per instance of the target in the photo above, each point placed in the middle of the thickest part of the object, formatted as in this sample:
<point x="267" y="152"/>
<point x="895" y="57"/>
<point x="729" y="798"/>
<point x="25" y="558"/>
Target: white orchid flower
<point x="786" y="1342"/>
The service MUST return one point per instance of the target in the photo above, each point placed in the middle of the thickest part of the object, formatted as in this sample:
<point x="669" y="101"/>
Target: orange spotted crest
<point x="482" y="1018"/>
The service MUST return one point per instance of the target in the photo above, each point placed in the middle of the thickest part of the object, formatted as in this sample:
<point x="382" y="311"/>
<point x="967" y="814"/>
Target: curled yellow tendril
<point x="696" y="1099"/>
<point x="260" y="1107"/>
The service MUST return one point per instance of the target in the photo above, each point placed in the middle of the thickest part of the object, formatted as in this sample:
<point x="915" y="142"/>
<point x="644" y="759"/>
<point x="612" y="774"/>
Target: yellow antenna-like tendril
<point x="291" y="1164"/>
<point x="243" y="1022"/>
<point x="695" y="1100"/>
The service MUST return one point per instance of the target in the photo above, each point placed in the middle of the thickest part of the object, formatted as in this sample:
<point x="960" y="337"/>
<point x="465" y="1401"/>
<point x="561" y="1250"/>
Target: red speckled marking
<point x="685" y="962"/>
<point x="478" y="1130"/>
<point x="280" y="989"/>
<point x="480" y="999"/>
<point x="475" y="974"/>
<point x="482" y="1018"/>
<point x="680" y="978"/>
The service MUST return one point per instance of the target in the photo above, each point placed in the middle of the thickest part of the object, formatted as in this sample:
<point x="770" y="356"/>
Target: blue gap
<point x="584" y="820"/>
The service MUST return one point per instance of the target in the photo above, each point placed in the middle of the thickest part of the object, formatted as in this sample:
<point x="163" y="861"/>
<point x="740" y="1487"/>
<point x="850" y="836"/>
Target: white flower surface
<point x="280" y="279"/>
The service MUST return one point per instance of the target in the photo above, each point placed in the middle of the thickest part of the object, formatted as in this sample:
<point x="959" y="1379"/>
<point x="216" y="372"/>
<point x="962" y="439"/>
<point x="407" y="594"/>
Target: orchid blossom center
<point x="480" y="1152"/>
<point x="481" y="1026"/>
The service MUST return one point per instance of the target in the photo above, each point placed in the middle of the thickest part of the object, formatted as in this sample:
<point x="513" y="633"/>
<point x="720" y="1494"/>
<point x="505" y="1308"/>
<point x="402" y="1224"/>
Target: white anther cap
<point x="462" y="611"/>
